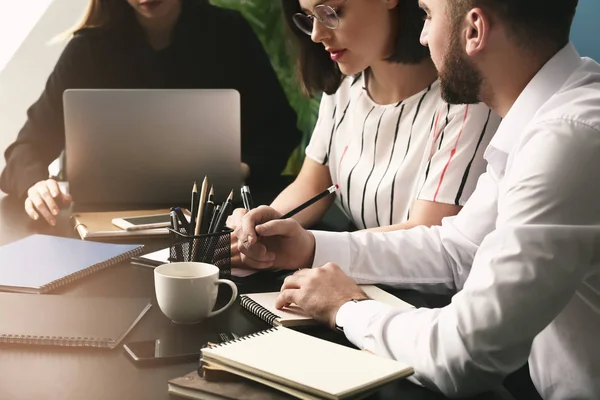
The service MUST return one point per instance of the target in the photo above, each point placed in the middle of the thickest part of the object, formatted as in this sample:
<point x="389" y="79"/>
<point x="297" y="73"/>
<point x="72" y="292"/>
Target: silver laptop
<point x="143" y="148"/>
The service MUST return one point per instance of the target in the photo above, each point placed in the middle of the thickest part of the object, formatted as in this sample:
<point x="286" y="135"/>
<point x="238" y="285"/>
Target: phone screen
<point x="159" y="349"/>
<point x="149" y="219"/>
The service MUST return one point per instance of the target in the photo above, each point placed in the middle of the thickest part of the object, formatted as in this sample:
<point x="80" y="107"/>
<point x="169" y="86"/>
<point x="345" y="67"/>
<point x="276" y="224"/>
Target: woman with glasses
<point x="402" y="157"/>
<point x="154" y="44"/>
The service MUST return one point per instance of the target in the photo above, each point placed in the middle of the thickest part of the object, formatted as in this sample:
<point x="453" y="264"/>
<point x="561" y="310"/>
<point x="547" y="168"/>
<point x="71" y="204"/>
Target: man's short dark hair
<point x="535" y="24"/>
<point x="316" y="70"/>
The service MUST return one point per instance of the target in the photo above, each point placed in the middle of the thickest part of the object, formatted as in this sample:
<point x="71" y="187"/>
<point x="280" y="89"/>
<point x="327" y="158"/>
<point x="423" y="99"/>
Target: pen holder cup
<point x="210" y="248"/>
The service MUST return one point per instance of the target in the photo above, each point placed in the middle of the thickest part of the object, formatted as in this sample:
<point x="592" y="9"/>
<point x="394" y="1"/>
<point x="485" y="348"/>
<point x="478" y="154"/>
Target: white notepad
<point x="263" y="306"/>
<point x="305" y="366"/>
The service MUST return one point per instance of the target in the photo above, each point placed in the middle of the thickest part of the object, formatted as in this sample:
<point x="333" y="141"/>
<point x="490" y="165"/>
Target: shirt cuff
<point x="355" y="319"/>
<point x="332" y="247"/>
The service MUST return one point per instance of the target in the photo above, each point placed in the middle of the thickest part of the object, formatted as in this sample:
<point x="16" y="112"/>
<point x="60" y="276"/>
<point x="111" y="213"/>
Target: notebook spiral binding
<point x="90" y="270"/>
<point x="242" y="338"/>
<point x="56" y="341"/>
<point x="201" y="362"/>
<point x="259" y="310"/>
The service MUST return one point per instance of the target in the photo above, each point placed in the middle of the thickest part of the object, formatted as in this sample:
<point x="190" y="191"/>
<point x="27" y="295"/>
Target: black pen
<point x="225" y="211"/>
<point x="194" y="209"/>
<point x="183" y="222"/>
<point x="213" y="220"/>
<point x="208" y="212"/>
<point x="247" y="198"/>
<point x="310" y="202"/>
<point x="175" y="227"/>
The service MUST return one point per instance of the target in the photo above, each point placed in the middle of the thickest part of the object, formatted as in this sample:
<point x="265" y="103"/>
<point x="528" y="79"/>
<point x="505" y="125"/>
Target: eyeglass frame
<point x="312" y="18"/>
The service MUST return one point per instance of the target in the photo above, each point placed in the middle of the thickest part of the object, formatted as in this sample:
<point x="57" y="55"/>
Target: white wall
<point x="24" y="75"/>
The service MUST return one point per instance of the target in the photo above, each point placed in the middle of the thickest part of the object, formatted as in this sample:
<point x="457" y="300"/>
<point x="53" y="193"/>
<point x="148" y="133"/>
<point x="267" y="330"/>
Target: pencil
<point x="201" y="205"/>
<point x="310" y="202"/>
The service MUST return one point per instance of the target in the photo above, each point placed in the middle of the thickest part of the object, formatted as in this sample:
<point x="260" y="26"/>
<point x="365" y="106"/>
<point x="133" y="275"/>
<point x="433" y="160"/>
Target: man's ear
<point x="477" y="31"/>
<point x="391" y="4"/>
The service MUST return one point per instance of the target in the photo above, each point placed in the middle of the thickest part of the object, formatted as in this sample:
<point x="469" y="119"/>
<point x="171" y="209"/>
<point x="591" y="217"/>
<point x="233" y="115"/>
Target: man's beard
<point x="460" y="81"/>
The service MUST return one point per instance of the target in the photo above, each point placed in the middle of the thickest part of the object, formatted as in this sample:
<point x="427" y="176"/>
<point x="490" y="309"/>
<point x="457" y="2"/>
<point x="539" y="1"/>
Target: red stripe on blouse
<point x="340" y="165"/>
<point x="452" y="153"/>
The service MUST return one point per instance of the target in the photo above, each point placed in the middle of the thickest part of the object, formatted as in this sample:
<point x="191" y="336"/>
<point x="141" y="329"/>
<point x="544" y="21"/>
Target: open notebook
<point x="41" y="263"/>
<point x="304" y="366"/>
<point x="57" y="320"/>
<point x="263" y="306"/>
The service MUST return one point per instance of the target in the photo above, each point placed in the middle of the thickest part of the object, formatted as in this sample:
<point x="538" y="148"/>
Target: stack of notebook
<point x="304" y="366"/>
<point x="39" y="264"/>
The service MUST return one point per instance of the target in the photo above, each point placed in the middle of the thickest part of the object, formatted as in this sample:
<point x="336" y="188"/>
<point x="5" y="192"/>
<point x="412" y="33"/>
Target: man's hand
<point x="320" y="292"/>
<point x="46" y="199"/>
<point x="265" y="241"/>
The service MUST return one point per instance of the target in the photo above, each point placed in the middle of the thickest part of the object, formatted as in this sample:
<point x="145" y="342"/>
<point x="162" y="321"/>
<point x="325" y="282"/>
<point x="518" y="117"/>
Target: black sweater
<point x="211" y="48"/>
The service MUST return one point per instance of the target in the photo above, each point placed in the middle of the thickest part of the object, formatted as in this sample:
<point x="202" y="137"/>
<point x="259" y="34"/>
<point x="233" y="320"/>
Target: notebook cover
<point x="55" y="320"/>
<point x="192" y="386"/>
<point x="305" y="363"/>
<point x="41" y="263"/>
<point x="97" y="225"/>
<point x="263" y="306"/>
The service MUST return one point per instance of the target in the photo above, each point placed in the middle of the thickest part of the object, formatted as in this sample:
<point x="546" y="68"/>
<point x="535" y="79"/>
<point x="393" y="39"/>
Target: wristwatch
<point x="341" y="328"/>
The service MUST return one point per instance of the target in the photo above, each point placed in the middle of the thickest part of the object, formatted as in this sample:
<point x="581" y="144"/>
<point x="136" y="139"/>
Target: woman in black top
<point x="154" y="44"/>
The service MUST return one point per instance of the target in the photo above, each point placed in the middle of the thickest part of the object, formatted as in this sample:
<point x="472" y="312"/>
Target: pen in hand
<point x="310" y="202"/>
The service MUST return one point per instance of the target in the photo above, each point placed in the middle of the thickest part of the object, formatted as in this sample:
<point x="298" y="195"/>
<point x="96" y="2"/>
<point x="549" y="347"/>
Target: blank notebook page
<point x="295" y="313"/>
<point x="301" y="361"/>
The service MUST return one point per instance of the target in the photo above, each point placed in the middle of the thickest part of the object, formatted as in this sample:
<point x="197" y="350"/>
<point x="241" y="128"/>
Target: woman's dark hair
<point x="318" y="73"/>
<point x="102" y="13"/>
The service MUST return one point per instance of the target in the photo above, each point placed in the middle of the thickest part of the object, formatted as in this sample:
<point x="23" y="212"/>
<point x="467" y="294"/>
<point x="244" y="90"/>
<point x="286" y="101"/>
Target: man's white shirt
<point x="523" y="256"/>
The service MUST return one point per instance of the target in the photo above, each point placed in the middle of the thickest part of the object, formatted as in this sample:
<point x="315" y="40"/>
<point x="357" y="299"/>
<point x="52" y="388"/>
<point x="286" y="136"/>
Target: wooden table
<point x="34" y="372"/>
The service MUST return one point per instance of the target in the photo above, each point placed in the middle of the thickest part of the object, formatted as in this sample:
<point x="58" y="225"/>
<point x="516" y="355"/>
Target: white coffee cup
<point x="187" y="291"/>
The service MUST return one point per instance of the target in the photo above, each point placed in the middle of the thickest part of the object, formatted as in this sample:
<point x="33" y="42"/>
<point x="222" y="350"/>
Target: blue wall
<point x="586" y="29"/>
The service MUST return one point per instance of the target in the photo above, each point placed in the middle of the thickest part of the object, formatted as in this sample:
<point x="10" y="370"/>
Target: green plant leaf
<point x="265" y="17"/>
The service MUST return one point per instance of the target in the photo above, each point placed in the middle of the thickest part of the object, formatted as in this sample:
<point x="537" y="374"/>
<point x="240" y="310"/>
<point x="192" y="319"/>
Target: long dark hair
<point x="318" y="73"/>
<point x="101" y="13"/>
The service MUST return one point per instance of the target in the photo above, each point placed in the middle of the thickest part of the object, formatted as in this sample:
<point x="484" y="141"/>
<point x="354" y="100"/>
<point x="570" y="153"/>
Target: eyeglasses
<point x="325" y="14"/>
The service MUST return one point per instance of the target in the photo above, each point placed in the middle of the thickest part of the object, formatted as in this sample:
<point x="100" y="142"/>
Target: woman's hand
<point x="46" y="199"/>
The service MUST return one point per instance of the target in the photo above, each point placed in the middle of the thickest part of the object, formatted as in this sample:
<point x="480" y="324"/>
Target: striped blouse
<point x="384" y="157"/>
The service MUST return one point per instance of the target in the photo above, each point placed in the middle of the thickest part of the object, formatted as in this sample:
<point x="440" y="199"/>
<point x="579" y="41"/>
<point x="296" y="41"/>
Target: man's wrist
<point x="310" y="259"/>
<point x="343" y="313"/>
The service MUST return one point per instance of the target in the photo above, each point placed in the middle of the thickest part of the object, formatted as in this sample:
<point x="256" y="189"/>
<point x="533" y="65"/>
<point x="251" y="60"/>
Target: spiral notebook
<point x="263" y="306"/>
<point x="55" y="320"/>
<point x="41" y="263"/>
<point x="304" y="366"/>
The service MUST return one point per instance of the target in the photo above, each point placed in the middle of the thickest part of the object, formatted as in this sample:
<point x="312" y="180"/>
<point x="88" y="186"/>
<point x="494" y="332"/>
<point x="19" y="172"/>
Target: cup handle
<point x="234" y="294"/>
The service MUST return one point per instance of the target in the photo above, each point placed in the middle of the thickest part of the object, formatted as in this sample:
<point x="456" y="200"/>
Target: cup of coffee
<point x="187" y="291"/>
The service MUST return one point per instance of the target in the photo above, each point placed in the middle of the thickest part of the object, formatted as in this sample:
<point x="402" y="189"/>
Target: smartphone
<point x="158" y="351"/>
<point x="143" y="222"/>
